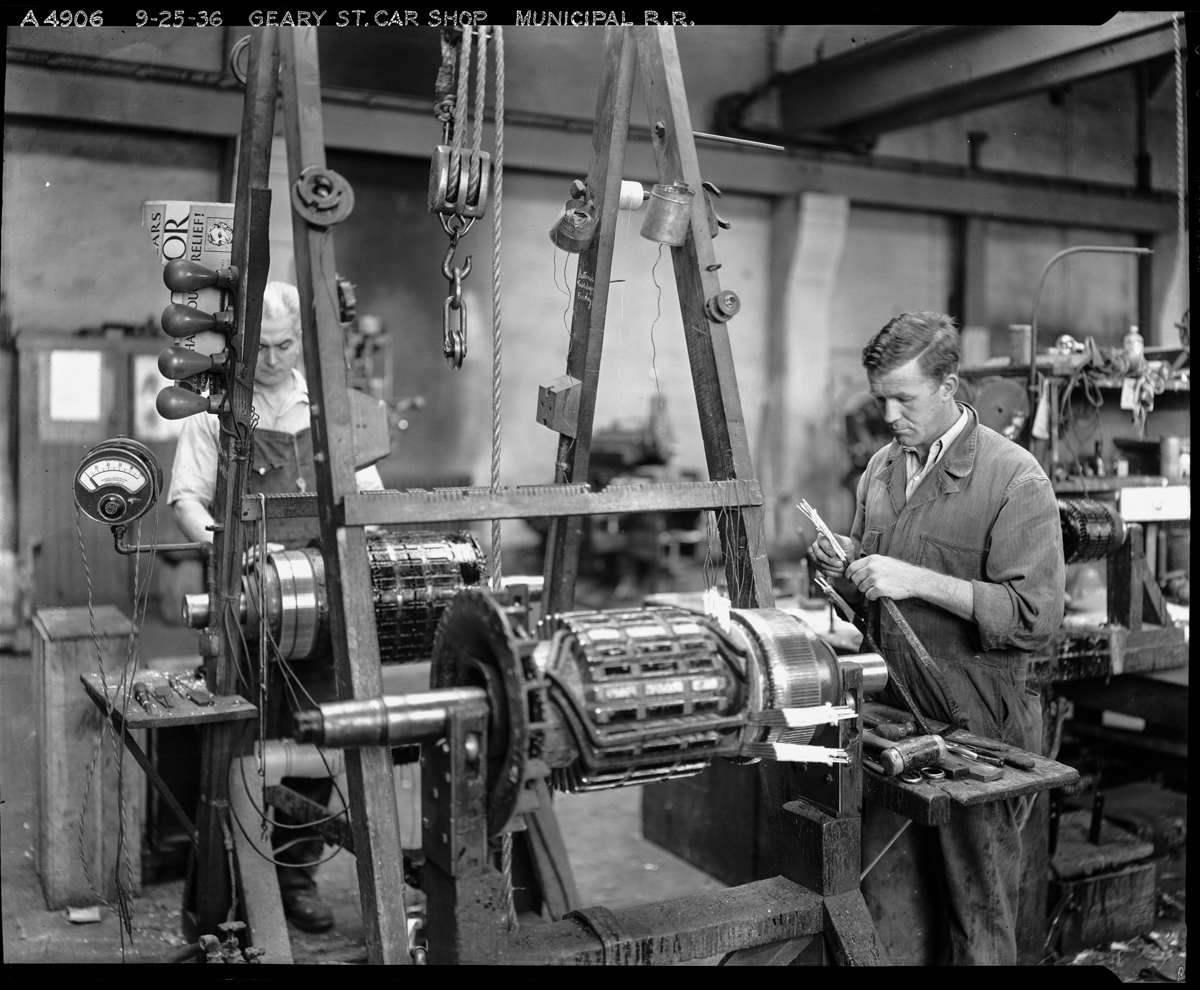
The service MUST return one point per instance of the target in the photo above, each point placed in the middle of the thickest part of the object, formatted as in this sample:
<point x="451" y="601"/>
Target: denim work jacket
<point x="986" y="514"/>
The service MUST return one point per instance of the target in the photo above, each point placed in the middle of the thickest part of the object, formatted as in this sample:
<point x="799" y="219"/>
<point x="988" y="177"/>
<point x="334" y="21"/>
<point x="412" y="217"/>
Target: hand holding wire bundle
<point x="832" y="552"/>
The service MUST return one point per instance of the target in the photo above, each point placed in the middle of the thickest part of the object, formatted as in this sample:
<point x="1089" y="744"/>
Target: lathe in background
<point x="625" y="557"/>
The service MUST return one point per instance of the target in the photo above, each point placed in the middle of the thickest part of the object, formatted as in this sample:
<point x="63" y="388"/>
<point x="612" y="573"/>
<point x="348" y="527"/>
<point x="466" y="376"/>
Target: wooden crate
<point x="68" y="728"/>
<point x="1106" y="906"/>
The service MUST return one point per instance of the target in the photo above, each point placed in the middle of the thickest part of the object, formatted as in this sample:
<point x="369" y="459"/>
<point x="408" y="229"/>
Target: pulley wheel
<point x="475" y="647"/>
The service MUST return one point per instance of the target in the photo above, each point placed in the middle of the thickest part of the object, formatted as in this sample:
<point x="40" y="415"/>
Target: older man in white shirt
<point x="282" y="463"/>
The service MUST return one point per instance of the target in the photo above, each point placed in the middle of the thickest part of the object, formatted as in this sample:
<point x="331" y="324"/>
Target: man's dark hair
<point x="931" y="338"/>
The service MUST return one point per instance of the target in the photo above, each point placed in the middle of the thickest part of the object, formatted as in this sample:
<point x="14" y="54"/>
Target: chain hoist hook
<point x="455" y="274"/>
<point x="454" y="310"/>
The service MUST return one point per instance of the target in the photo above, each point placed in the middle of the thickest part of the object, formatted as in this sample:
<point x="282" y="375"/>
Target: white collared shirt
<point x="917" y="473"/>
<point x="194" y="472"/>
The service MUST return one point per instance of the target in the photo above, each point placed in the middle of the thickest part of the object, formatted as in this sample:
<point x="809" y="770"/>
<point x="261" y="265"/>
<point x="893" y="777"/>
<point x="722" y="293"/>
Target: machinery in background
<point x="413" y="578"/>
<point x="640" y="553"/>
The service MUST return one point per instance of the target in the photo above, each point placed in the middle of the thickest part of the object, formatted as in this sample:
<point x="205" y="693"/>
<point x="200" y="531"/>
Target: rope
<point x="460" y="114"/>
<point x="476" y="171"/>
<point x="506" y="842"/>
<point x="506" y="855"/>
<point x="1182" y="249"/>
<point x="498" y="179"/>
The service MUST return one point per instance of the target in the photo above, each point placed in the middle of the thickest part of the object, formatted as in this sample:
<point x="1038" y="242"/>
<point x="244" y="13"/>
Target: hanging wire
<point x="653" y="349"/>
<point x="123" y="690"/>
<point x="497" y="207"/>
<point x="1180" y="154"/>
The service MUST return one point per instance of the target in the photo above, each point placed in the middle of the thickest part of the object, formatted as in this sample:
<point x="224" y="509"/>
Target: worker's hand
<point x="877" y="576"/>
<point x="250" y="554"/>
<point x="829" y="562"/>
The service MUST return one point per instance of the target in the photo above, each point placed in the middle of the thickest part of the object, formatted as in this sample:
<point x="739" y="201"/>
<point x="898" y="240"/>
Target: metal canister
<point x="669" y="214"/>
<point x="1020" y="340"/>
<point x="1170" y="462"/>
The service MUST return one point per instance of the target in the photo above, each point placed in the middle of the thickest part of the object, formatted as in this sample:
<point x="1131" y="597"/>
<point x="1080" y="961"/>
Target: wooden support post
<point x="206" y="907"/>
<point x="256" y="872"/>
<point x="974" y="272"/>
<point x="1126" y="567"/>
<point x="591" y="303"/>
<point x="548" y="853"/>
<point x="467" y="911"/>
<point x="373" y="815"/>
<point x="850" y="931"/>
<point x="726" y="446"/>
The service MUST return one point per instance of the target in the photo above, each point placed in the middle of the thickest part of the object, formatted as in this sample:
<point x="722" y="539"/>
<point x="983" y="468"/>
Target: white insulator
<point x="292" y="759"/>
<point x="632" y="196"/>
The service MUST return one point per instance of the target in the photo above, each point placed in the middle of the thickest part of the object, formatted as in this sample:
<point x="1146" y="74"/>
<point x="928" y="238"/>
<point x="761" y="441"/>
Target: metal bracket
<point x="322" y="196"/>
<point x="604" y="925"/>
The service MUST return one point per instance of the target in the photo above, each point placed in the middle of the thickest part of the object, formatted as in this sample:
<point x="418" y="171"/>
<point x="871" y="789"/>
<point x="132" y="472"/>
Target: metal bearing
<point x="791" y="662"/>
<point x="298" y="619"/>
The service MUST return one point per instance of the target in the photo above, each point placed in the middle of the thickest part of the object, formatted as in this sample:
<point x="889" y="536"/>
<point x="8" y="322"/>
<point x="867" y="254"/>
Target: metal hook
<point x="234" y="54"/>
<point x="454" y="274"/>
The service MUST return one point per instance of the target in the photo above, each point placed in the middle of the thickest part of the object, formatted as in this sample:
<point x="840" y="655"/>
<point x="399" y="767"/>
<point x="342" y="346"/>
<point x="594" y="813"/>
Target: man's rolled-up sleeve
<point x="194" y="471"/>
<point x="1020" y="605"/>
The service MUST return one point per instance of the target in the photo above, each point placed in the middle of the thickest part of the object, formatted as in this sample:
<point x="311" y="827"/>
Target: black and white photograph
<point x="595" y="487"/>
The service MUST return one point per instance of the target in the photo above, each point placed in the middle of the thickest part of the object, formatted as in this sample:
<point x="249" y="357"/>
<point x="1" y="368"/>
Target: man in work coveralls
<point x="959" y="526"/>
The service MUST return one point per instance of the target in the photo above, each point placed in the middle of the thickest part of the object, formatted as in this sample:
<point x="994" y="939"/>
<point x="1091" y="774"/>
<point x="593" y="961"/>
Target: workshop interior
<point x="520" y="645"/>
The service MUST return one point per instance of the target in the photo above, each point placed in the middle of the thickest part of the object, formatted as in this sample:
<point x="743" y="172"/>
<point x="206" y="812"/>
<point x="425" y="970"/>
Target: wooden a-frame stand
<point x="815" y="902"/>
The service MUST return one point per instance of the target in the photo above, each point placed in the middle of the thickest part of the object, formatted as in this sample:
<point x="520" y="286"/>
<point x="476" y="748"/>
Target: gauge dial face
<point x="113" y="471"/>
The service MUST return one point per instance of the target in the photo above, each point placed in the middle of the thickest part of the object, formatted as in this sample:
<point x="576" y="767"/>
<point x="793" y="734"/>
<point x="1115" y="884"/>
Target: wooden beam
<point x="556" y="149"/>
<point x="373" y="814"/>
<point x="213" y="892"/>
<point x="928" y="73"/>
<point x="697" y="926"/>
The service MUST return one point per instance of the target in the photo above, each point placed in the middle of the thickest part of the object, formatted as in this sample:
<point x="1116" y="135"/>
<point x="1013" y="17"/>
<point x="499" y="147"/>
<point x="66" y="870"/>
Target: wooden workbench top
<point x="932" y="802"/>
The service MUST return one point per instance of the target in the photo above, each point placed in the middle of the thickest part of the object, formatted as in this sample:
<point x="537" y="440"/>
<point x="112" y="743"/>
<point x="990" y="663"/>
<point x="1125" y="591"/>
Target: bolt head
<point x="471" y="748"/>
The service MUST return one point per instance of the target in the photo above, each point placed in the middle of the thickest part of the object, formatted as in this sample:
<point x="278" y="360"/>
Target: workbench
<point x="932" y="802"/>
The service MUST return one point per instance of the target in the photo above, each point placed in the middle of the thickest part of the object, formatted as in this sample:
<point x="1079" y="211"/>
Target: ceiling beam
<point x="358" y="122"/>
<point x="927" y="73"/>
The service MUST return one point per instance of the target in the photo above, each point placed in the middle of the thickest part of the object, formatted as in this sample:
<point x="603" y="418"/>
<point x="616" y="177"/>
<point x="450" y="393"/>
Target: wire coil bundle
<point x="1091" y="530"/>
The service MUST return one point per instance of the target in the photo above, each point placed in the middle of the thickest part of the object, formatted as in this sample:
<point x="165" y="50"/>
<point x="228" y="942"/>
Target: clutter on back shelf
<point x="637" y="553"/>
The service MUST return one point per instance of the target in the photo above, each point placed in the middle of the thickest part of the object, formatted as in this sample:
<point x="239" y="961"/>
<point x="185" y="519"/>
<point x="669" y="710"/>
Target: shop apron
<point x="283" y="465"/>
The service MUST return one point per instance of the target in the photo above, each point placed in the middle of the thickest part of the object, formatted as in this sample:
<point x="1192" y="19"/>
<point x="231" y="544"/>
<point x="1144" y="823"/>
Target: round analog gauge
<point x="117" y="481"/>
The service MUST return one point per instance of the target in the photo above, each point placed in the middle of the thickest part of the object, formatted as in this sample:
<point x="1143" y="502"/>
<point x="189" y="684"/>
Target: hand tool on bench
<point x="141" y="694"/>
<point x="999" y="751"/>
<point x="895" y="731"/>
<point x="196" y="695"/>
<point x="162" y="695"/>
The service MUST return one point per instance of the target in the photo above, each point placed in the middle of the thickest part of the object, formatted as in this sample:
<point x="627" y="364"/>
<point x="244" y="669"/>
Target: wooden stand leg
<point x="549" y="855"/>
<point x="851" y="932"/>
<point x="259" y="880"/>
<point x="806" y="951"/>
